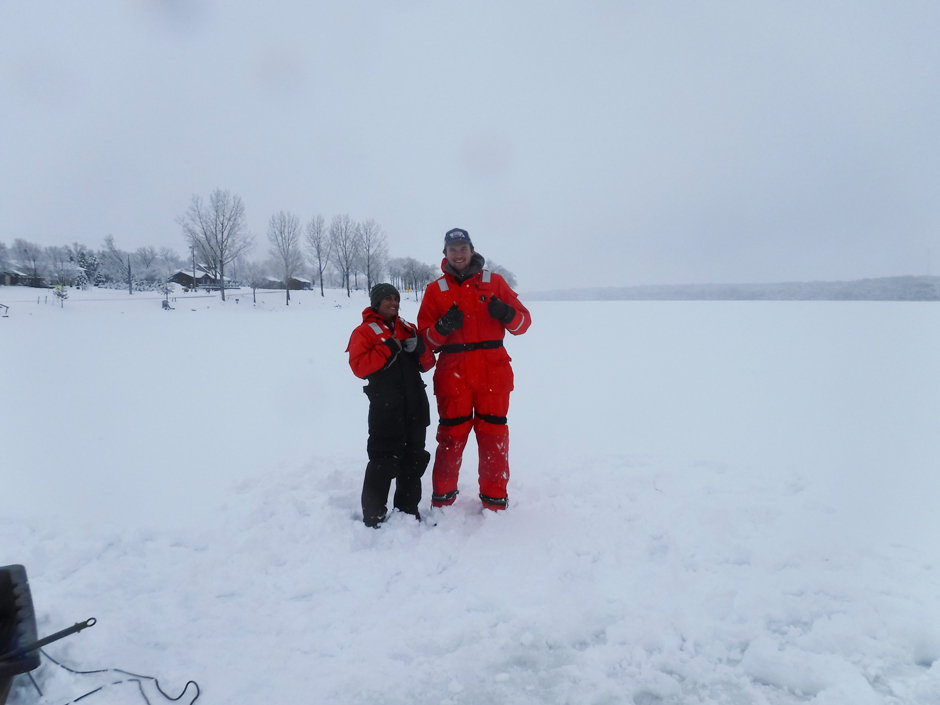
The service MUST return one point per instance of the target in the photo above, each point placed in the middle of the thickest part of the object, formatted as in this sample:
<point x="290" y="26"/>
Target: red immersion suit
<point x="473" y="378"/>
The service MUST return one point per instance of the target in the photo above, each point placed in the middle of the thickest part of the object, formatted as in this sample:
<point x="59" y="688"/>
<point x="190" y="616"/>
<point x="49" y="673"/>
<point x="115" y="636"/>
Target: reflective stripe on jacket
<point x="472" y="297"/>
<point x="487" y="369"/>
<point x="367" y="350"/>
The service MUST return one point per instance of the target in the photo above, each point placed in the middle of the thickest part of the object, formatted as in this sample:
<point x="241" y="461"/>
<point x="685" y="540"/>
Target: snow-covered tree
<point x="146" y="256"/>
<point x="61" y="293"/>
<point x="121" y="261"/>
<point x="395" y="269"/>
<point x="408" y="273"/>
<point x="60" y="266"/>
<point x="30" y="258"/>
<point x="148" y="264"/>
<point x="255" y="275"/>
<point x="90" y="266"/>
<point x="502" y="271"/>
<point x="168" y="261"/>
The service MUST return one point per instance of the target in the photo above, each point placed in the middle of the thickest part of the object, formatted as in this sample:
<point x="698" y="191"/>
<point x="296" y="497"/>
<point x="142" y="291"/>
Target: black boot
<point x="374" y="522"/>
<point x="375" y="487"/>
<point x="408" y="483"/>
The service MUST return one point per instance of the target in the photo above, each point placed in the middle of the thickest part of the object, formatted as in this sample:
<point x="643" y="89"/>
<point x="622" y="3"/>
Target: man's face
<point x="388" y="308"/>
<point x="458" y="255"/>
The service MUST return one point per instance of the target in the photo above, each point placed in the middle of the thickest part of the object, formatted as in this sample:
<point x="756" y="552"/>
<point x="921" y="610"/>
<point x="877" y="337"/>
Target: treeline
<point x="904" y="288"/>
<point x="29" y="264"/>
<point x="342" y="254"/>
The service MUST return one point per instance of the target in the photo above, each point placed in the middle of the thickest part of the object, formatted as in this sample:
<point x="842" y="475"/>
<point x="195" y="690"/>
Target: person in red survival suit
<point x="388" y="352"/>
<point x="464" y="316"/>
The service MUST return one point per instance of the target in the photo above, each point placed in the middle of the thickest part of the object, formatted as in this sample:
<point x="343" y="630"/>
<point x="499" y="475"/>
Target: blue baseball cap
<point x="456" y="235"/>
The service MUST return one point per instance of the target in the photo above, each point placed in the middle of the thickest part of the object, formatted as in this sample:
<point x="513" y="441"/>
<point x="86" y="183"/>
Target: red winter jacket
<point x="488" y="368"/>
<point x="368" y="353"/>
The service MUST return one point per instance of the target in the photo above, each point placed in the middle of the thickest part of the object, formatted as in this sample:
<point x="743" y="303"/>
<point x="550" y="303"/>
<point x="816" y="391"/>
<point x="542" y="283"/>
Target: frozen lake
<point x="710" y="502"/>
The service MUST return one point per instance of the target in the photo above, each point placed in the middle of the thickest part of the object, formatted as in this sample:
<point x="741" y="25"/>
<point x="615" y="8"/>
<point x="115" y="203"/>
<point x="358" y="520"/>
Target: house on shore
<point x="202" y="280"/>
<point x="14" y="277"/>
<point x="294" y="283"/>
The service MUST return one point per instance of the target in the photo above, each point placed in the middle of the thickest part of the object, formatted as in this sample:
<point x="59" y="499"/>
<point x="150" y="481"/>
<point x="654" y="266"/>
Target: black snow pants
<point x="399" y="416"/>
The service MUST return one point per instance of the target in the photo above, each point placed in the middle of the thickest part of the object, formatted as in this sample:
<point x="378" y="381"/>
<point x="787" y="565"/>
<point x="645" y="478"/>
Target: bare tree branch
<point x="146" y="256"/>
<point x="409" y="273"/>
<point x="373" y="247"/>
<point x="318" y="245"/>
<point x="121" y="260"/>
<point x="284" y="236"/>
<point x="29" y="256"/>
<point x="217" y="231"/>
<point x="256" y="275"/>
<point x="344" y="245"/>
<point x="60" y="265"/>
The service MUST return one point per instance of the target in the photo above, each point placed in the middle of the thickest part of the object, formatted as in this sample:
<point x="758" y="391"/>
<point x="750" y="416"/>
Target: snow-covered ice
<point x="711" y="502"/>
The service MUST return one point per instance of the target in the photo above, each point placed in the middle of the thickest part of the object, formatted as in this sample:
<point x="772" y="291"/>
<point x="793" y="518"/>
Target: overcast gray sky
<point x="581" y="143"/>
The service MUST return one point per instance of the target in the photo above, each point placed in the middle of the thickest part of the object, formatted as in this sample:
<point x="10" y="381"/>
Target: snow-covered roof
<point x="200" y="273"/>
<point x="278" y="280"/>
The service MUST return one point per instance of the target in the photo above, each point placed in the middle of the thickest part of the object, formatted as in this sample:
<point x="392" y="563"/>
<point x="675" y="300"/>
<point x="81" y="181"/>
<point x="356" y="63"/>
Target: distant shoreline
<point x="907" y="288"/>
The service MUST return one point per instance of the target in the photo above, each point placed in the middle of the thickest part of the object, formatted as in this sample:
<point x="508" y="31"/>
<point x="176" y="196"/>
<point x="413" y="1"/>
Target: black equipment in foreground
<point x="19" y="647"/>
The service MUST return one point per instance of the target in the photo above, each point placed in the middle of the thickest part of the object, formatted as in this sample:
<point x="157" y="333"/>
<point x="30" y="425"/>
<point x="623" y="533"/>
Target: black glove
<point x="418" y="347"/>
<point x="393" y="345"/>
<point x="501" y="311"/>
<point x="450" y="321"/>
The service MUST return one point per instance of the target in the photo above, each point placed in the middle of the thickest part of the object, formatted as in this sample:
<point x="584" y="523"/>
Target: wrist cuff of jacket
<point x="447" y="330"/>
<point x="521" y="321"/>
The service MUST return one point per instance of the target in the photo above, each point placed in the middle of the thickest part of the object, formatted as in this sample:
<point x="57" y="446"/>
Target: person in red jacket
<point x="388" y="352"/>
<point x="464" y="316"/>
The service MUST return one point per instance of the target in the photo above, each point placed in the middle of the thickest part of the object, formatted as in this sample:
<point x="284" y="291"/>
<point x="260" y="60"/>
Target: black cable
<point x="72" y="670"/>
<point x="135" y="678"/>
<point x="157" y="684"/>
<point x="35" y="684"/>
